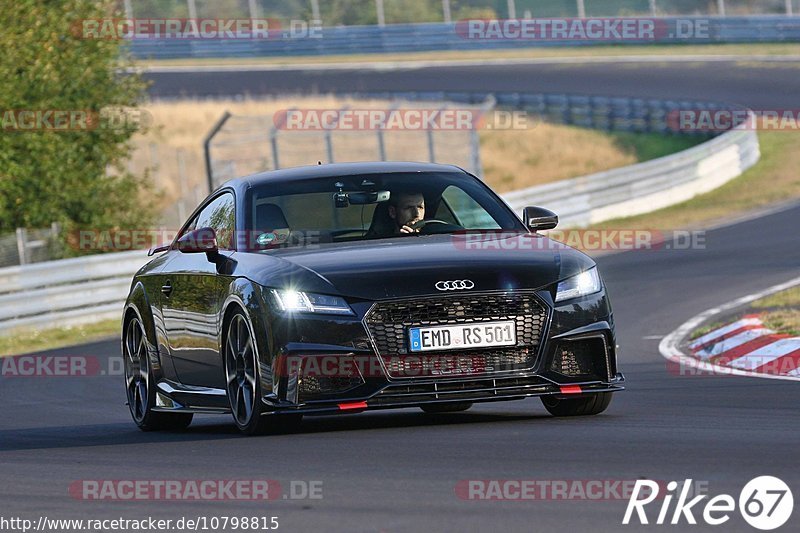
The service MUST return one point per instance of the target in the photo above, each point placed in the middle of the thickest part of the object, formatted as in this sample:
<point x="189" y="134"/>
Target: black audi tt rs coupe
<point x="349" y="287"/>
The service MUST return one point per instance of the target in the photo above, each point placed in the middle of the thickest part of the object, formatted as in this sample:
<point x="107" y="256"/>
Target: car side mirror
<point x="539" y="218"/>
<point x="197" y="241"/>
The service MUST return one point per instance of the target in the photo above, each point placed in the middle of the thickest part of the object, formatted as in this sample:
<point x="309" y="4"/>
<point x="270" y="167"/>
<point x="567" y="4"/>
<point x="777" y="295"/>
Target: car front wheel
<point x="243" y="383"/>
<point x="593" y="404"/>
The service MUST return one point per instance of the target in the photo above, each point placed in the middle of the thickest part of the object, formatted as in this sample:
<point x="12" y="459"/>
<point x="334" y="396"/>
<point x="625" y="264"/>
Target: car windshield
<point x="367" y="207"/>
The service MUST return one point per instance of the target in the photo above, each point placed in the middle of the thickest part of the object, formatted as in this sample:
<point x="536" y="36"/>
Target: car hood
<point x="410" y="266"/>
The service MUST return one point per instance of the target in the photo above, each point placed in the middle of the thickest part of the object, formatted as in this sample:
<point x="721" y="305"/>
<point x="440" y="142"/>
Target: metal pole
<point x="379" y="9"/>
<point x="253" y="6"/>
<point x="273" y="141"/>
<point x="207" y="148"/>
<point x="431" y="144"/>
<point x="183" y="185"/>
<point x="653" y="10"/>
<point x="789" y="10"/>
<point x="192" y="9"/>
<point x="315" y="10"/>
<point x="381" y="144"/>
<point x="512" y="9"/>
<point x="329" y="145"/>
<point x="21" y="245"/>
<point x="446" y="11"/>
<point x="329" y="136"/>
<point x="381" y="140"/>
<point x="475" y="155"/>
<point x="581" y="9"/>
<point x="273" y="138"/>
<point x="721" y="7"/>
<point x="128" y="9"/>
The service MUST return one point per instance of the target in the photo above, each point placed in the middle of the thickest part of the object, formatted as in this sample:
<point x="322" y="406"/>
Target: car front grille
<point x="388" y="324"/>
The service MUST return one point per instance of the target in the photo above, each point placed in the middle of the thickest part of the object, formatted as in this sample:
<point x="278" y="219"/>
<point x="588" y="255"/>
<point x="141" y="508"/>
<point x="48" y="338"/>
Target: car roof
<point x="335" y="170"/>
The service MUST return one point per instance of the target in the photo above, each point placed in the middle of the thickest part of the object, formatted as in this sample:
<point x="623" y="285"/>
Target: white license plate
<point x="472" y="335"/>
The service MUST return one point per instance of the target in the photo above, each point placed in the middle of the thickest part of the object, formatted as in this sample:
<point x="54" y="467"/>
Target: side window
<point x="469" y="213"/>
<point x="219" y="215"/>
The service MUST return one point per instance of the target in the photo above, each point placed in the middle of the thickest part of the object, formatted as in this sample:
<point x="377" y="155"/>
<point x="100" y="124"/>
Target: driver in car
<point x="406" y="209"/>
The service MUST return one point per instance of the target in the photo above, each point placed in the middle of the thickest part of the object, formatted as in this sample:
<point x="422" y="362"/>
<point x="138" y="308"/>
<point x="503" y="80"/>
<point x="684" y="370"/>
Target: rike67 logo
<point x="765" y="503"/>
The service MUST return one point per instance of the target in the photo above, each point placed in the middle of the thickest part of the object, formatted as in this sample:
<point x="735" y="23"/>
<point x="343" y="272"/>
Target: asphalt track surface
<point x="397" y="470"/>
<point x="760" y="85"/>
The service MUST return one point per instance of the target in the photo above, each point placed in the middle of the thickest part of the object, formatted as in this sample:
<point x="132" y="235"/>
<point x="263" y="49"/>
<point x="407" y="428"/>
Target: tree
<point x="74" y="177"/>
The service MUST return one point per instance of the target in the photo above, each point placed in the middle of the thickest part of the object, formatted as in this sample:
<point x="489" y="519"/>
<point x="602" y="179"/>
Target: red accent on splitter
<point x="352" y="406"/>
<point x="571" y="389"/>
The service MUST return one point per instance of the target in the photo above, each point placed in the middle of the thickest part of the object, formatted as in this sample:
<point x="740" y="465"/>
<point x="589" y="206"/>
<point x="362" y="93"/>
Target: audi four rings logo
<point x="455" y="285"/>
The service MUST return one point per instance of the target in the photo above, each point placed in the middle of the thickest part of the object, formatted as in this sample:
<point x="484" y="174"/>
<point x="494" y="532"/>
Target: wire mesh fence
<point x="250" y="144"/>
<point x="26" y="246"/>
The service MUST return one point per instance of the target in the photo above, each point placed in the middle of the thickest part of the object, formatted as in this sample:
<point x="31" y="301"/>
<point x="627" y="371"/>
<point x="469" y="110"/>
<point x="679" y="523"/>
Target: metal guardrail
<point x="647" y="186"/>
<point x="68" y="291"/>
<point x="93" y="288"/>
<point x="401" y="38"/>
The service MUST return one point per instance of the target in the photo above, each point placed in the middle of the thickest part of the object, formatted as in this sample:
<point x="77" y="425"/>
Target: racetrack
<point x="761" y="86"/>
<point x="397" y="471"/>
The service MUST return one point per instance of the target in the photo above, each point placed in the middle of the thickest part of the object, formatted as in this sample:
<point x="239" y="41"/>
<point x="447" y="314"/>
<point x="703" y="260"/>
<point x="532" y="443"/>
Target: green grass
<point x="779" y="312"/>
<point x="30" y="340"/>
<point x="783" y="321"/>
<point x="768" y="49"/>
<point x="647" y="146"/>
<point x="787" y="298"/>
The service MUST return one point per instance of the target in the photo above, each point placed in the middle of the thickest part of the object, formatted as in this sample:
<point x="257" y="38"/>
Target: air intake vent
<point x="586" y="357"/>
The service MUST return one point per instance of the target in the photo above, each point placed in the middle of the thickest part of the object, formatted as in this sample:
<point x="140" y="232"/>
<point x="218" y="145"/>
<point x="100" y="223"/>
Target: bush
<point x="75" y="178"/>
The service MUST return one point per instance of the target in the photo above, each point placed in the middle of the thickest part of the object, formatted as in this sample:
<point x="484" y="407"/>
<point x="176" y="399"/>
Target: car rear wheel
<point x="140" y="384"/>
<point x="589" y="405"/>
<point x="449" y="407"/>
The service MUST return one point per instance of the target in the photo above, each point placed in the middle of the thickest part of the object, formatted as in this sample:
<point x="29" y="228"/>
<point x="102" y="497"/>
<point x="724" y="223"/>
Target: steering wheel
<point x="419" y="224"/>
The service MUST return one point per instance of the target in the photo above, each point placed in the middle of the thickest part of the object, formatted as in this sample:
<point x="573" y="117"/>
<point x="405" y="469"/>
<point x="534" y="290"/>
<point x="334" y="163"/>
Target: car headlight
<point x="583" y="284"/>
<point x="307" y="302"/>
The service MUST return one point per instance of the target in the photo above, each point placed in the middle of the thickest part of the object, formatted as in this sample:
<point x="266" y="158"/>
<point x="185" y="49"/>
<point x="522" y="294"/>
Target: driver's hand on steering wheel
<point x="413" y="228"/>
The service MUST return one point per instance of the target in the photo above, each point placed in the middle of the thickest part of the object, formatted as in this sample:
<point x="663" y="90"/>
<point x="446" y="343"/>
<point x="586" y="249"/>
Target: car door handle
<point x="166" y="289"/>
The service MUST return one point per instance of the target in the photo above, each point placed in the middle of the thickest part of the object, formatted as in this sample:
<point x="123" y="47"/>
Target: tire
<point x="243" y="382"/>
<point x="449" y="407"/>
<point x="586" y="406"/>
<point x="140" y="384"/>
